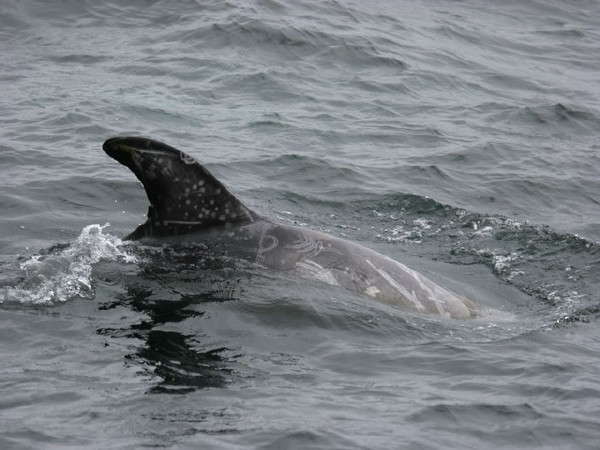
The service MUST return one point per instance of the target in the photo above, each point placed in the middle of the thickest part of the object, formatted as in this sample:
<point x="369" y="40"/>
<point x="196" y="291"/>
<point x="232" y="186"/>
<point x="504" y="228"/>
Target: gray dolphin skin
<point x="188" y="204"/>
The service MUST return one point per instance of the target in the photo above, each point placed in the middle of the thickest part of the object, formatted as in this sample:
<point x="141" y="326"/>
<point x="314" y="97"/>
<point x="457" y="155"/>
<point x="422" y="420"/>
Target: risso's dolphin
<point x="188" y="204"/>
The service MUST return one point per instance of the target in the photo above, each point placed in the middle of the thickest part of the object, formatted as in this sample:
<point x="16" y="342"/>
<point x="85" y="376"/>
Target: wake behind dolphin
<point x="188" y="204"/>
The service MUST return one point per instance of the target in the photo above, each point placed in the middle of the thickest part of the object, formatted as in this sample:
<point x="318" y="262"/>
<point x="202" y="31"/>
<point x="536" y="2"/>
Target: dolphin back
<point x="184" y="197"/>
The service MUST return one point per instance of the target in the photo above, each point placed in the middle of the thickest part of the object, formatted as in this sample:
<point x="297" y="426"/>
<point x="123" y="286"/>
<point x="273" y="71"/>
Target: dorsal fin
<point x="184" y="197"/>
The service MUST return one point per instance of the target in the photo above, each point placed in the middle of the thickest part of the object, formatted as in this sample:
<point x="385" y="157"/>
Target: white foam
<point x="67" y="274"/>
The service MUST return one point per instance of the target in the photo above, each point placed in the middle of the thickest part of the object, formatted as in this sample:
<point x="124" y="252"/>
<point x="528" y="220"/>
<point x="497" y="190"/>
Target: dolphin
<point x="188" y="204"/>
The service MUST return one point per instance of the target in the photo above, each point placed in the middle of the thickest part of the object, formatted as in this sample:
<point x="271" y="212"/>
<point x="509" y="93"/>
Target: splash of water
<point x="67" y="273"/>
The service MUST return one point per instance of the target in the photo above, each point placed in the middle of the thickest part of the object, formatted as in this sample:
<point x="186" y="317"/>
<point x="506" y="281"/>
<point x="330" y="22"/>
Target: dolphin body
<point x="188" y="204"/>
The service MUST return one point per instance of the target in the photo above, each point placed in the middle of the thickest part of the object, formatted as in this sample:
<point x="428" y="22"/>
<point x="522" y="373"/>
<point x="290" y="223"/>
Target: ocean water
<point x="461" y="138"/>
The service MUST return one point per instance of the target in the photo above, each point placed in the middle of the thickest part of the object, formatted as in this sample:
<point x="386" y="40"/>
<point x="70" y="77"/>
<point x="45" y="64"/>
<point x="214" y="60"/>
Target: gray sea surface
<point x="461" y="138"/>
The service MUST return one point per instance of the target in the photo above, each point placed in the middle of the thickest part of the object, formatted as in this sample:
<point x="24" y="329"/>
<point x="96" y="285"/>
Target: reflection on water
<point x="181" y="367"/>
<point x="170" y="295"/>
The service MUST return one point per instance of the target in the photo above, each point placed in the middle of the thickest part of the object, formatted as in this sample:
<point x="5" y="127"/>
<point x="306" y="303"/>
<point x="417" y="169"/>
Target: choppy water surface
<point x="460" y="138"/>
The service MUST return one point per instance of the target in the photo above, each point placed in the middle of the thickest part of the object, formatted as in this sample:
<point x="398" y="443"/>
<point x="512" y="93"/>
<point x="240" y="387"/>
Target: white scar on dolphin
<point x="188" y="204"/>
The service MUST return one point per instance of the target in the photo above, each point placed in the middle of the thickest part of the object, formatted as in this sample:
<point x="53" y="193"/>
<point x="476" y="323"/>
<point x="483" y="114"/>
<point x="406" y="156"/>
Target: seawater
<point x="460" y="138"/>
